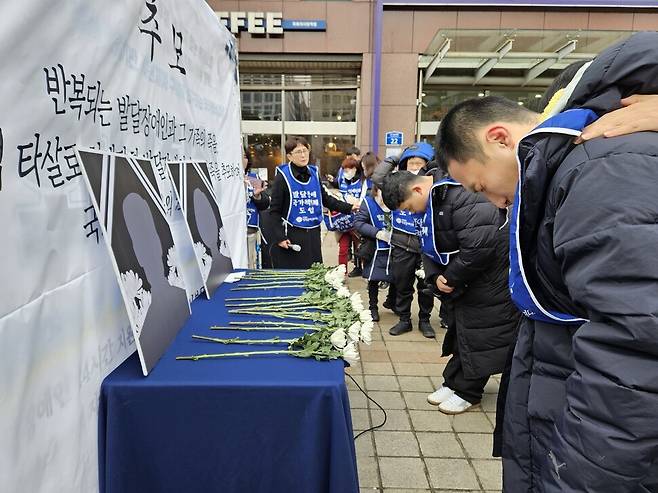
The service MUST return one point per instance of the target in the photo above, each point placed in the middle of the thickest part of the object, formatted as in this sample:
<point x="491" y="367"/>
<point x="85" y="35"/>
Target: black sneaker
<point x="389" y="305"/>
<point x="444" y="325"/>
<point x="426" y="328"/>
<point x="374" y="313"/>
<point x="356" y="272"/>
<point x="383" y="285"/>
<point x="400" y="328"/>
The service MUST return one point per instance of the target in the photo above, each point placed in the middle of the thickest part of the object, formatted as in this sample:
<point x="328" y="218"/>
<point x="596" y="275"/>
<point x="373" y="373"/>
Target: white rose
<point x="351" y="353"/>
<point x="338" y="339"/>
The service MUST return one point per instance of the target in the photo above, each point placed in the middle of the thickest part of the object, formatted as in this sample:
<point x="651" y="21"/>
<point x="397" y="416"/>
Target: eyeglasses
<point x="300" y="152"/>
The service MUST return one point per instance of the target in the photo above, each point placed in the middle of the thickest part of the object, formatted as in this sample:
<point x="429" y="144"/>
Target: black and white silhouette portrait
<point x="204" y="219"/>
<point x="135" y="225"/>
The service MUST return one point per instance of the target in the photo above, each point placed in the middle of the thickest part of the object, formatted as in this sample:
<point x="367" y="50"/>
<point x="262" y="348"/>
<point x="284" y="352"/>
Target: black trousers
<point x="308" y="239"/>
<point x="373" y="294"/>
<point x="469" y="389"/>
<point x="403" y="269"/>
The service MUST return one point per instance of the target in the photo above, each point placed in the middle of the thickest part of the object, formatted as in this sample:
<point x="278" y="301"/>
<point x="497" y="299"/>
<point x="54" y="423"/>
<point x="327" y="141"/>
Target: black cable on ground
<point x="372" y="400"/>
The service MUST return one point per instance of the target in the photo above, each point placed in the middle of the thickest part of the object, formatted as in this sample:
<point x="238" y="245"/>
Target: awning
<point x="514" y="57"/>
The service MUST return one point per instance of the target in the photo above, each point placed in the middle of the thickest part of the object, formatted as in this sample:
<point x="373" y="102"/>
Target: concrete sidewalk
<point x="419" y="449"/>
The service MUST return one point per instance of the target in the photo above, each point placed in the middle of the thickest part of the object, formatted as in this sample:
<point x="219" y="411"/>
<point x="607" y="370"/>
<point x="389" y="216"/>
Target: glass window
<point x="265" y="152"/>
<point x="321" y="106"/>
<point x="437" y="102"/>
<point x="328" y="152"/>
<point x="261" y="105"/>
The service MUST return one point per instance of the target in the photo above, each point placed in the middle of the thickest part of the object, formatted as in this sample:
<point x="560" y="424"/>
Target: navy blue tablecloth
<point x="243" y="425"/>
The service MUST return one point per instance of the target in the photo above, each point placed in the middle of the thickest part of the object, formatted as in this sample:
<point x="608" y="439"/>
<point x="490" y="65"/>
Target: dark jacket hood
<point x="627" y="68"/>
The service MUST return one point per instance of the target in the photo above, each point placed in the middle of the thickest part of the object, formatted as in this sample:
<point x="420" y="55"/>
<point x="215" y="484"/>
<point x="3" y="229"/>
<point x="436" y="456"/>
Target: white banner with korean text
<point x="155" y="79"/>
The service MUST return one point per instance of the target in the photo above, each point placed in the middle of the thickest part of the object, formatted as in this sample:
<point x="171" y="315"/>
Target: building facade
<point x="345" y="73"/>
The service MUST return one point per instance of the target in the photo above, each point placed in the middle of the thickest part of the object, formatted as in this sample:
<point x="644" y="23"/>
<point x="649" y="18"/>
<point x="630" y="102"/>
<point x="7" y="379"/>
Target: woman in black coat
<point x="296" y="204"/>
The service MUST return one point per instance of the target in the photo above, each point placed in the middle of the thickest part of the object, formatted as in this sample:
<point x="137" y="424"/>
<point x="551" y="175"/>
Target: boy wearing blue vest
<point x="373" y="222"/>
<point x="581" y="407"/>
<point x="463" y="240"/>
<point x="296" y="204"/>
<point x="405" y="245"/>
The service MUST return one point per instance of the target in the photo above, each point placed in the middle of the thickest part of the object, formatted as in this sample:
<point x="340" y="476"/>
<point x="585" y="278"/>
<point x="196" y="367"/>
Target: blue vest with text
<point x="353" y="189"/>
<point x="406" y="221"/>
<point x="253" y="218"/>
<point x="570" y="122"/>
<point x="305" y="209"/>
<point x="377" y="219"/>
<point x="337" y="221"/>
<point x="428" y="234"/>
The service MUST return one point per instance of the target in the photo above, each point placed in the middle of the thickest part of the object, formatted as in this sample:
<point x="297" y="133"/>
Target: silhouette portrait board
<point x="201" y="208"/>
<point x="187" y="273"/>
<point x="141" y="245"/>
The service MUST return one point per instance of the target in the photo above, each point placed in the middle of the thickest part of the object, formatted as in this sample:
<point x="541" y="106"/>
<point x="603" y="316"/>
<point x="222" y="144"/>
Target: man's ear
<point x="499" y="135"/>
<point x="417" y="188"/>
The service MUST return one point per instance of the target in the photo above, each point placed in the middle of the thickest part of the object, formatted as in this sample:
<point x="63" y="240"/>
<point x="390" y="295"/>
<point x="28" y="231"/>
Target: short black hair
<point x="396" y="188"/>
<point x="456" y="138"/>
<point x="293" y="141"/>
<point x="353" y="150"/>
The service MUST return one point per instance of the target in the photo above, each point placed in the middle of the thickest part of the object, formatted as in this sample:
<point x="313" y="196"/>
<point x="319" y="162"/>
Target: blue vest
<point x="428" y="236"/>
<point x="353" y="189"/>
<point x="377" y="219"/>
<point x="305" y="209"/>
<point x="337" y="221"/>
<point x="253" y="218"/>
<point x="406" y="221"/>
<point x="570" y="122"/>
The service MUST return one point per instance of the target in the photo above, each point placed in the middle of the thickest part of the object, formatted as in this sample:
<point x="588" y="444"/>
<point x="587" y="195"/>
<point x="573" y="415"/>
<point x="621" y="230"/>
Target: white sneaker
<point x="455" y="405"/>
<point x="441" y="394"/>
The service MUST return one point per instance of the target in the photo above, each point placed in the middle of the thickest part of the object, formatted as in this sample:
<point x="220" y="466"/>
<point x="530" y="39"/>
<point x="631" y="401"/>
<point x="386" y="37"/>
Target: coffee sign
<point x="252" y="22"/>
<point x="267" y="23"/>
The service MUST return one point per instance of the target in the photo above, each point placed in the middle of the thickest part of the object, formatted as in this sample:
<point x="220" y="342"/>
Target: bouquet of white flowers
<point x="335" y="320"/>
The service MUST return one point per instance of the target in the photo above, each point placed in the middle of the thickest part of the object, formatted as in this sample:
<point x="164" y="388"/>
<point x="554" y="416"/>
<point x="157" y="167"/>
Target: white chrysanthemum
<point x="174" y="278"/>
<point x="357" y="302"/>
<point x="341" y="268"/>
<point x="338" y="339"/>
<point x="343" y="292"/>
<point x="132" y="284"/>
<point x="205" y="260"/>
<point x="354" y="331"/>
<point x="366" y="332"/>
<point x="420" y="274"/>
<point x="351" y="353"/>
<point x="365" y="316"/>
<point x="139" y="299"/>
<point x="223" y="244"/>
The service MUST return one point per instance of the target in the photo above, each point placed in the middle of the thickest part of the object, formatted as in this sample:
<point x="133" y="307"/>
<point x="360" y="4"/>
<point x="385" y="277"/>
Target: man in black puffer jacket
<point x="582" y="406"/>
<point x="464" y="247"/>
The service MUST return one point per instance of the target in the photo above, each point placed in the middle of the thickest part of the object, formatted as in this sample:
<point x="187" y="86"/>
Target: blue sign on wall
<point x="303" y="25"/>
<point x="394" y="138"/>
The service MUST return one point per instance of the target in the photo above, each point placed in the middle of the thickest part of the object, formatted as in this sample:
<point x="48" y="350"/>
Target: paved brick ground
<point x="419" y="449"/>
